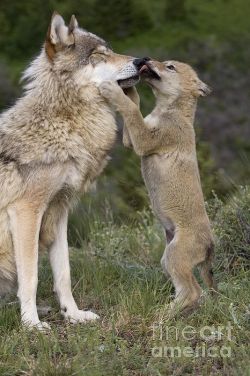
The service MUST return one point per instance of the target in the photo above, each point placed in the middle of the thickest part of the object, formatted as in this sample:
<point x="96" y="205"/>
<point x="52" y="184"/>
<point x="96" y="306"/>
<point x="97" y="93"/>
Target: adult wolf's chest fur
<point x="89" y="146"/>
<point x="84" y="147"/>
<point x="80" y="140"/>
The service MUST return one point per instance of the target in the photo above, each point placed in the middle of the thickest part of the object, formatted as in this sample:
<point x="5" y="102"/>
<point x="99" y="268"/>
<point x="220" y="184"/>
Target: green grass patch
<point x="116" y="273"/>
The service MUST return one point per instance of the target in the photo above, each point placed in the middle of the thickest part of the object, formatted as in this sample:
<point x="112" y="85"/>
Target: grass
<point x="116" y="273"/>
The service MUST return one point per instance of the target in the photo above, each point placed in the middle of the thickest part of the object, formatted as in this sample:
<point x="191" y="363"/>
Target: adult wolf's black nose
<point x="140" y="62"/>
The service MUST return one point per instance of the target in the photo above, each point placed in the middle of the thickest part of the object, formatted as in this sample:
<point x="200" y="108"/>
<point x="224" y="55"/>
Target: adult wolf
<point x="53" y="143"/>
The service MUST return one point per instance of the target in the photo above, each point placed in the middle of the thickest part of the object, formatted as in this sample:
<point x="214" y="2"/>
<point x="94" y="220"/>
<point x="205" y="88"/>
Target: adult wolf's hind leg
<point x="7" y="258"/>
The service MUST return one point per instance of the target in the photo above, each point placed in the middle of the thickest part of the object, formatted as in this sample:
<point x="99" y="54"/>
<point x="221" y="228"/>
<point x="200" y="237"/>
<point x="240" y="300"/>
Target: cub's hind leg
<point x="169" y="232"/>
<point x="206" y="269"/>
<point x="179" y="259"/>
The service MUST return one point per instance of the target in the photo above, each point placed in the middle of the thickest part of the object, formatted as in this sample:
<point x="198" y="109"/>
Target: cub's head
<point x="85" y="56"/>
<point x="172" y="78"/>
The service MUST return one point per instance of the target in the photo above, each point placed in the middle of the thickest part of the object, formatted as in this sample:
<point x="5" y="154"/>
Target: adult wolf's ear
<point x="59" y="35"/>
<point x="203" y="89"/>
<point x="73" y="24"/>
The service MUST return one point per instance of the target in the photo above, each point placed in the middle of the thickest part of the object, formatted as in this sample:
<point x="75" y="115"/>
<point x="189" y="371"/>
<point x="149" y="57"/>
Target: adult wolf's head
<point x="85" y="55"/>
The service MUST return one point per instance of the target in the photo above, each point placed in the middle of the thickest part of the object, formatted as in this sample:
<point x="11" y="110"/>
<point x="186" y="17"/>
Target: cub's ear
<point x="203" y="89"/>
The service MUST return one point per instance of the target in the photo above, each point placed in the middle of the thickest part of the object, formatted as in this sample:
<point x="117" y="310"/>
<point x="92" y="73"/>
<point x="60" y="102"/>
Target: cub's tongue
<point x="144" y="68"/>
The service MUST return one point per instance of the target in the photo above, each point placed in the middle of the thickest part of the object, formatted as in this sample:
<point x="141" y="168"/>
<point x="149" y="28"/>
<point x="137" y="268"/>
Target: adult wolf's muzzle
<point x="132" y="72"/>
<point x="129" y="76"/>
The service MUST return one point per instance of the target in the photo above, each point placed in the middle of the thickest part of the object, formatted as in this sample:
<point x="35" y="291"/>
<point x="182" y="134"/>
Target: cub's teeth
<point x="143" y="69"/>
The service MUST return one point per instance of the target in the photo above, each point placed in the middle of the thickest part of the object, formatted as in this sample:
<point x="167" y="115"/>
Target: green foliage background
<point x="213" y="36"/>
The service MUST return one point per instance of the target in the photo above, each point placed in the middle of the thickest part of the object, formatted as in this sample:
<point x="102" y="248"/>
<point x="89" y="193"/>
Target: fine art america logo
<point x="207" y="337"/>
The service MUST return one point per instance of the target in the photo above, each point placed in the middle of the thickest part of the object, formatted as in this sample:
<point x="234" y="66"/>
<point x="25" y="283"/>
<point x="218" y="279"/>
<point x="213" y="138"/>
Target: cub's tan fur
<point x="53" y="143"/>
<point x="165" y="140"/>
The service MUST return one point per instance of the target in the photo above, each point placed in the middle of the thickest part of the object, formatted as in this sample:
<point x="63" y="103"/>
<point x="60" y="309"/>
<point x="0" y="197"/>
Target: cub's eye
<point x="171" y="67"/>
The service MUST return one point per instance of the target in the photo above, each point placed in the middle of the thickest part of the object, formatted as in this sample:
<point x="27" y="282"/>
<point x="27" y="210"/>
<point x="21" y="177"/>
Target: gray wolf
<point x="165" y="140"/>
<point x="54" y="142"/>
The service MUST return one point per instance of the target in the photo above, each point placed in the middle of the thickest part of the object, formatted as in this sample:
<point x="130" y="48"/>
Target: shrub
<point x="231" y="223"/>
<point x="7" y="90"/>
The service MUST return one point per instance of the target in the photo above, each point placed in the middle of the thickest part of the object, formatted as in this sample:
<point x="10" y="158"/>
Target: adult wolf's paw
<point x="42" y="326"/>
<point x="79" y="316"/>
<point x="111" y="91"/>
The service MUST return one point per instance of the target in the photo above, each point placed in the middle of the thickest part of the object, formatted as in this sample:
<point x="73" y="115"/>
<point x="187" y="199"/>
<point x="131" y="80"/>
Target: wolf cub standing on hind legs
<point x="165" y="140"/>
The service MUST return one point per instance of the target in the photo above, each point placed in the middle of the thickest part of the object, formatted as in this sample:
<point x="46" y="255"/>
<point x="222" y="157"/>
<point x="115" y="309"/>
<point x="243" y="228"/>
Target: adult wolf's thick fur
<point x="53" y="143"/>
<point x="165" y="140"/>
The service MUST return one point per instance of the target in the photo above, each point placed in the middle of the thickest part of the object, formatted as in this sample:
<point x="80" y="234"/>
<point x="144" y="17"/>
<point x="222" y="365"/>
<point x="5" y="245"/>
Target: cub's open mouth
<point x="147" y="71"/>
<point x="128" y="82"/>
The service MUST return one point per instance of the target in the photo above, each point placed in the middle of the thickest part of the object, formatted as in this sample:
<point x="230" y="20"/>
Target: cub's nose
<point x="140" y="62"/>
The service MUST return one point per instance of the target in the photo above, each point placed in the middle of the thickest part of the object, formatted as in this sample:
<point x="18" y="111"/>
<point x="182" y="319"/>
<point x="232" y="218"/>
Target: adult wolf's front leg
<point x="25" y="220"/>
<point x="59" y="258"/>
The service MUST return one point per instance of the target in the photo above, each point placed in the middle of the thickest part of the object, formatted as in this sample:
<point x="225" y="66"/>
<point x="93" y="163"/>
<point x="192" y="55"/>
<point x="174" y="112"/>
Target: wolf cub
<point x="165" y="140"/>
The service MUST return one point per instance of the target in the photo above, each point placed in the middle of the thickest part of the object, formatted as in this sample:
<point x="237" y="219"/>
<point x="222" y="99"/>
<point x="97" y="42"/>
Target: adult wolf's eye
<point x="171" y="67"/>
<point x="99" y="53"/>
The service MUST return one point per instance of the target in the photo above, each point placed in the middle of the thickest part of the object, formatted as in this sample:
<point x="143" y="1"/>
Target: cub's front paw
<point x="131" y="92"/>
<point x="79" y="316"/>
<point x="110" y="90"/>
